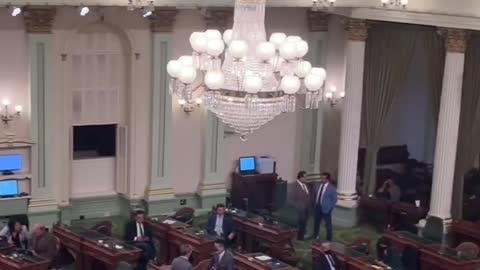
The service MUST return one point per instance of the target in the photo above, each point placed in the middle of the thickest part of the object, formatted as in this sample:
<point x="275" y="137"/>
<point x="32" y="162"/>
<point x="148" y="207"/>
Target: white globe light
<point x="200" y="42"/>
<point x="215" y="47"/>
<point x="238" y="49"/>
<point x="193" y="36"/>
<point x="212" y="34"/>
<point x="302" y="48"/>
<point x="227" y="36"/>
<point x="265" y="51"/>
<point x="214" y="80"/>
<point x="303" y="69"/>
<point x="174" y="67"/>
<point x="252" y="84"/>
<point x="186" y="60"/>
<point x="319" y="72"/>
<point x="313" y="82"/>
<point x="290" y="84"/>
<point x="187" y="75"/>
<point x="277" y="39"/>
<point x="293" y="38"/>
<point x="288" y="50"/>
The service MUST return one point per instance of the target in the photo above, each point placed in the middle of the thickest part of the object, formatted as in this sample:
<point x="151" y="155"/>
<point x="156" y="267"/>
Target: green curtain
<point x="388" y="55"/>
<point x="435" y="52"/>
<point x="469" y="132"/>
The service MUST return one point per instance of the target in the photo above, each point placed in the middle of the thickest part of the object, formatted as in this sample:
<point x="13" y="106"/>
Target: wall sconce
<point x="5" y="115"/>
<point x="188" y="107"/>
<point x="333" y="97"/>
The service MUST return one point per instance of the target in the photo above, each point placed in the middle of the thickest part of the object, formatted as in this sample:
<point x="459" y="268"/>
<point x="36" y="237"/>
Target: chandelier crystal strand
<point x="258" y="79"/>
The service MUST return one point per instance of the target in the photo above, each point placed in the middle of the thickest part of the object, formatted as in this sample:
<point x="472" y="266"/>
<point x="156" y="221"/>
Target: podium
<point x="258" y="189"/>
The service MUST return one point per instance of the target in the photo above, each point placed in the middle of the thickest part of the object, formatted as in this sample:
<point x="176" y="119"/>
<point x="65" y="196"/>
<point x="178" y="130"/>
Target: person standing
<point x="183" y="261"/>
<point x="324" y="201"/>
<point x="222" y="259"/>
<point x="140" y="235"/>
<point x="301" y="201"/>
<point x="221" y="225"/>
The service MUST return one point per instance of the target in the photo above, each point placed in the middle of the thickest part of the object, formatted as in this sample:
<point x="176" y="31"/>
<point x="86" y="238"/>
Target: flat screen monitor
<point x="8" y="188"/>
<point x="11" y="163"/>
<point x="247" y="165"/>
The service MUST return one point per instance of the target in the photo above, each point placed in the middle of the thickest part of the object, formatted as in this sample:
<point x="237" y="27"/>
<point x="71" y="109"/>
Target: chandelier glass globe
<point x="247" y="79"/>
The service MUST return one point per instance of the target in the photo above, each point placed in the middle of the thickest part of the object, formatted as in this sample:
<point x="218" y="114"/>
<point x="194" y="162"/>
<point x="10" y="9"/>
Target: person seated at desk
<point x="183" y="261"/>
<point x="16" y="234"/>
<point x="140" y="235"/>
<point x="327" y="260"/>
<point x="222" y="259"/>
<point x="221" y="225"/>
<point x="43" y="243"/>
<point x="390" y="190"/>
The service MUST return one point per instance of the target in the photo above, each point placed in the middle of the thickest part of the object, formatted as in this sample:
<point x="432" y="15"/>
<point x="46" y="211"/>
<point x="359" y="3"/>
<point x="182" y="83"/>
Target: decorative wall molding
<point x="219" y="18"/>
<point x="163" y="19"/>
<point x="357" y="29"/>
<point x="317" y="21"/>
<point x="455" y="39"/>
<point x="39" y="19"/>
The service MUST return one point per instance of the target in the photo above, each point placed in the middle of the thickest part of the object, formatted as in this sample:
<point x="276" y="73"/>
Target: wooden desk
<point x="161" y="227"/>
<point x="362" y="263"/>
<point x="277" y="236"/>
<point x="404" y="216"/>
<point x="91" y="246"/>
<point x="376" y="210"/>
<point x="17" y="261"/>
<point x="202" y="244"/>
<point x="436" y="257"/>
<point x="250" y="262"/>
<point x="402" y="239"/>
<point x="465" y="231"/>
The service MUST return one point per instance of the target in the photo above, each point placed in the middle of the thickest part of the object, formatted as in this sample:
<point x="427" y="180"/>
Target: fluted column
<point x="43" y="207"/>
<point x="161" y="196"/>
<point x="313" y="118"/>
<point x="448" y="123"/>
<point x="212" y="189"/>
<point x="351" y="114"/>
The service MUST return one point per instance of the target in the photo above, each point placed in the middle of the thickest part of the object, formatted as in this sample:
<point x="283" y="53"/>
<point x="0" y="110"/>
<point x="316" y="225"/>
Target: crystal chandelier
<point x="147" y="7"/>
<point x="245" y="79"/>
<point x="395" y="3"/>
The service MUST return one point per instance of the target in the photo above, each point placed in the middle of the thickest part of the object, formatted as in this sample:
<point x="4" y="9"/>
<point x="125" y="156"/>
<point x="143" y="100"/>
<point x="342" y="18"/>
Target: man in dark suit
<point x="140" y="235"/>
<point x="221" y="225"/>
<point x="324" y="201"/>
<point x="327" y="260"/>
<point x="301" y="201"/>
<point x="182" y="262"/>
<point x="222" y="259"/>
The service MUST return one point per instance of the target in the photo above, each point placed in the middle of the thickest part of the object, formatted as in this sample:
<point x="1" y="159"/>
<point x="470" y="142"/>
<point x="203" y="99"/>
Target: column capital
<point x="219" y="18"/>
<point x="455" y="39"/>
<point x="317" y="21"/>
<point x="162" y="19"/>
<point x="357" y="29"/>
<point x="39" y="19"/>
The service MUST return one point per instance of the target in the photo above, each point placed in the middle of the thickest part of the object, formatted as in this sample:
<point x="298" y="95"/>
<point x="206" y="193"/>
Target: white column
<point x="351" y="114"/>
<point x="448" y="124"/>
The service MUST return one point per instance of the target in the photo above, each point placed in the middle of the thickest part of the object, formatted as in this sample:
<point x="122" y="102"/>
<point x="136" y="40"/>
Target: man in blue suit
<point x="324" y="201"/>
<point x="221" y="225"/>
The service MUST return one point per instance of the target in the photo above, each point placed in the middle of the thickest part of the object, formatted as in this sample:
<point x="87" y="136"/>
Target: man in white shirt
<point x="324" y="202"/>
<point x="139" y="234"/>
<point x="222" y="259"/>
<point x="221" y="225"/>
<point x="301" y="200"/>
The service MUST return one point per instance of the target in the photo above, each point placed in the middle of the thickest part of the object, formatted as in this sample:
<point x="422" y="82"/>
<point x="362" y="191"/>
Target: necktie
<point x="319" y="194"/>
<point x="141" y="229"/>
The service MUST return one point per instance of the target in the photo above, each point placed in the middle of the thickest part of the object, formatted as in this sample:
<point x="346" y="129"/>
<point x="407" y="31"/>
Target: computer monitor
<point x="11" y="163"/>
<point x="247" y="165"/>
<point x="8" y="188"/>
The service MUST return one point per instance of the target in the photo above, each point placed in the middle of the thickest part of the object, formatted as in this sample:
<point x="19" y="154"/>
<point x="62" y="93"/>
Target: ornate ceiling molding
<point x="317" y="21"/>
<point x="39" y="19"/>
<point x="162" y="19"/>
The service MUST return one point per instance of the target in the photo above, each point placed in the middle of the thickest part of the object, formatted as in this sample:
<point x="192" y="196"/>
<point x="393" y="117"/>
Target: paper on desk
<point x="263" y="258"/>
<point x="169" y="221"/>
